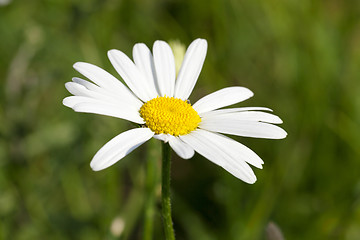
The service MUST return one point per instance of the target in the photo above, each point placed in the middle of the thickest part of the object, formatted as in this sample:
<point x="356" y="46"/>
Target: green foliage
<point x="300" y="58"/>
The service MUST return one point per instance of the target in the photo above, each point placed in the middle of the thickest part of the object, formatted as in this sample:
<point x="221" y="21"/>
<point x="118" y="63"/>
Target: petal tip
<point x="249" y="92"/>
<point x="252" y="181"/>
<point x="161" y="44"/>
<point x="112" y="53"/>
<point x="188" y="155"/>
<point x="279" y="120"/>
<point x="95" y="167"/>
<point x="77" y="65"/>
<point x="281" y="133"/>
<point x="139" y="45"/>
<point x="284" y="135"/>
<point x="203" y="41"/>
<point x="66" y="102"/>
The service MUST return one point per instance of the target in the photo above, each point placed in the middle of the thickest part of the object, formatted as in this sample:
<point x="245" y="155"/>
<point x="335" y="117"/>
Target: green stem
<point x="165" y="192"/>
<point x="151" y="181"/>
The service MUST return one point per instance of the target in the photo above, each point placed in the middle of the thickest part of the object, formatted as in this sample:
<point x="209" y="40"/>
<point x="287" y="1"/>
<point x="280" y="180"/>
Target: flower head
<point x="158" y="100"/>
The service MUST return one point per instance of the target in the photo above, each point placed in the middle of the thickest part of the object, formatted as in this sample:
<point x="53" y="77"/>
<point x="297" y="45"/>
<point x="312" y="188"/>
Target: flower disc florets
<point x="169" y="115"/>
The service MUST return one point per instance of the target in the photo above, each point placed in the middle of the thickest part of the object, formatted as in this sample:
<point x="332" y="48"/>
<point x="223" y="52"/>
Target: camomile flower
<point x="157" y="100"/>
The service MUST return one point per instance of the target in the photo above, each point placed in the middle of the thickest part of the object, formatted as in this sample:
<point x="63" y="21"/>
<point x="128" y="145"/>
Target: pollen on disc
<point x="169" y="115"/>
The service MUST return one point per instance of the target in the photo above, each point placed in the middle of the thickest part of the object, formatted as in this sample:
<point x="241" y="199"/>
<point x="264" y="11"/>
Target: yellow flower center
<point x="169" y="115"/>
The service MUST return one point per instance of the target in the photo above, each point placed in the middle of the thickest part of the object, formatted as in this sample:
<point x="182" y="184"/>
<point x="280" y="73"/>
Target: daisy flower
<point x="157" y="100"/>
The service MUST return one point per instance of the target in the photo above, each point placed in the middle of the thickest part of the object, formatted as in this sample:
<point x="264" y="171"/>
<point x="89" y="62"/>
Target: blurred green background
<point x="300" y="58"/>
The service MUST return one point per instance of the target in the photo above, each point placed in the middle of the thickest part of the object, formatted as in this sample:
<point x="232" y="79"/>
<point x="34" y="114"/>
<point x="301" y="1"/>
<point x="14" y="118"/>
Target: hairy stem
<point x="165" y="192"/>
<point x="151" y="182"/>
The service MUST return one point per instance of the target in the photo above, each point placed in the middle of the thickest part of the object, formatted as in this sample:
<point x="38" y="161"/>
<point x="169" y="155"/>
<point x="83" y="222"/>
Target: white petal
<point x="119" y="147"/>
<point x="90" y="105"/>
<point x="73" y="100"/>
<point x="200" y="145"/>
<point x="222" y="98"/>
<point x="144" y="61"/>
<point x="243" y="116"/>
<point x="243" y="128"/>
<point x="80" y="90"/>
<point x="80" y="87"/>
<point x="76" y="89"/>
<point x="105" y="80"/>
<point x="131" y="74"/>
<point x="165" y="68"/>
<point x="163" y="137"/>
<point x="88" y="84"/>
<point x="231" y="110"/>
<point x="181" y="148"/>
<point x="190" y="68"/>
<point x="107" y="110"/>
<point x="218" y="150"/>
<point x="240" y="151"/>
